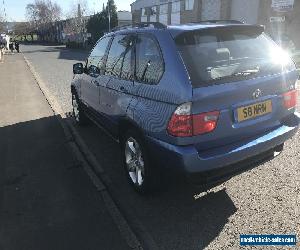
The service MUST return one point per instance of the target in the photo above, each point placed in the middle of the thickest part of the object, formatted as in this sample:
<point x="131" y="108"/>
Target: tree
<point x="75" y="18"/>
<point x="24" y="29"/>
<point x="78" y="8"/>
<point x="2" y="23"/>
<point x="99" y="24"/>
<point x="43" y="12"/>
<point x="112" y="8"/>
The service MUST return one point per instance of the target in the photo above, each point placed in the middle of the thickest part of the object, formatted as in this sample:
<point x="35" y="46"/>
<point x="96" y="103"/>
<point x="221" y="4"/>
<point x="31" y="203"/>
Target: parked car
<point x="203" y="100"/>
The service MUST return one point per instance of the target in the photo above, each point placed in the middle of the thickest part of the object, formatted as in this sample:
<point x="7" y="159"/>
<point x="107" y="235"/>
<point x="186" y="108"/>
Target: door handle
<point x="122" y="88"/>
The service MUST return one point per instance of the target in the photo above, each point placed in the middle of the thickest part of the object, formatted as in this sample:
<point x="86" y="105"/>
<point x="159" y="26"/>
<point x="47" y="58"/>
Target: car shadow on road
<point x="74" y="55"/>
<point x="47" y="201"/>
<point x="169" y="219"/>
<point x="63" y="52"/>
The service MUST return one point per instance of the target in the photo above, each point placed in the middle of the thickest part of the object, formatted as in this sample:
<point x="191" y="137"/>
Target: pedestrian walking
<point x="1" y="55"/>
<point x="2" y="46"/>
<point x="11" y="47"/>
<point x="17" y="46"/>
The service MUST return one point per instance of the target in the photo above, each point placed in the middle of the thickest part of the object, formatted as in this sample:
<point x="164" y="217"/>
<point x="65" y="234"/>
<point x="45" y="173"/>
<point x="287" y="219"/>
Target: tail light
<point x="181" y="122"/>
<point x="290" y="99"/>
<point x="184" y="124"/>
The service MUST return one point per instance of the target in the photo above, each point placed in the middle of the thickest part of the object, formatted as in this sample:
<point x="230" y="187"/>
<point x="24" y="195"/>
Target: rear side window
<point x="226" y="54"/>
<point x="149" y="61"/>
<point x="96" y="57"/>
<point x="119" y="61"/>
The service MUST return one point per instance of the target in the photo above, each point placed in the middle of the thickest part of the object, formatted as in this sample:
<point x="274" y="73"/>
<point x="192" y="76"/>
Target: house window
<point x="144" y="15"/>
<point x="163" y="9"/>
<point x="176" y="7"/>
<point x="153" y="10"/>
<point x="175" y="15"/>
<point x="189" y="4"/>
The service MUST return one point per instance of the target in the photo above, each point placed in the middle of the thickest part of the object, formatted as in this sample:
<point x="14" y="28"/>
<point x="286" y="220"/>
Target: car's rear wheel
<point x="78" y="113"/>
<point x="137" y="164"/>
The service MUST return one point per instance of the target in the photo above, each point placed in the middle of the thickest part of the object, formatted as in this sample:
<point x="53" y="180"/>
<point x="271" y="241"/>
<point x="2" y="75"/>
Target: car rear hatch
<point x="240" y="73"/>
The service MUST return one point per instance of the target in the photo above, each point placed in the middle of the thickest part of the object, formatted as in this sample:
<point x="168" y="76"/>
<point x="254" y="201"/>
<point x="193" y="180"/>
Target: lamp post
<point x="108" y="8"/>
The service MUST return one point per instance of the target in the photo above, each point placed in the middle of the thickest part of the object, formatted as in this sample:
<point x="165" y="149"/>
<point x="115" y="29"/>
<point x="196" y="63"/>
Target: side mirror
<point x="78" y="68"/>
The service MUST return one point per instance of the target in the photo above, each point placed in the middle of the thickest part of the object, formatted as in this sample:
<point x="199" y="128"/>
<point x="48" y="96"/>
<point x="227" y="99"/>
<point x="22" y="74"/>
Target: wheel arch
<point x="74" y="90"/>
<point x="125" y="125"/>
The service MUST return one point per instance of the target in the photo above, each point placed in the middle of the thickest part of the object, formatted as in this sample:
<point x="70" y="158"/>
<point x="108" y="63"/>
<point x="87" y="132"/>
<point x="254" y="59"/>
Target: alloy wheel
<point x="134" y="161"/>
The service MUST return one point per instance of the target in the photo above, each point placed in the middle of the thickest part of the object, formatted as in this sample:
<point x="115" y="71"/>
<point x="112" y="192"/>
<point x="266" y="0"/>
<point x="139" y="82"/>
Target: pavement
<point x="264" y="200"/>
<point x="47" y="200"/>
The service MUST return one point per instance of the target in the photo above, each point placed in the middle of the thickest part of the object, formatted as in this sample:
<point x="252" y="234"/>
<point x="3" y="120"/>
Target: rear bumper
<point x="217" y="163"/>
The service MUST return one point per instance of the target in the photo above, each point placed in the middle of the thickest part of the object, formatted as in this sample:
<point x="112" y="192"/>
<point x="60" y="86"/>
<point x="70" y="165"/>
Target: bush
<point x="98" y="24"/>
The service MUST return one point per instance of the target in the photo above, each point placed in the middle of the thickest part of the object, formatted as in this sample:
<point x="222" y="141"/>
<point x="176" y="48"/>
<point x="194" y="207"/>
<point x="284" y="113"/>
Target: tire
<point x="140" y="173"/>
<point x="78" y="113"/>
<point x="278" y="150"/>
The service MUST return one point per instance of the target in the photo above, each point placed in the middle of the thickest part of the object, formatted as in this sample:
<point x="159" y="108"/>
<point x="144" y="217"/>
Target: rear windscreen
<point x="222" y="55"/>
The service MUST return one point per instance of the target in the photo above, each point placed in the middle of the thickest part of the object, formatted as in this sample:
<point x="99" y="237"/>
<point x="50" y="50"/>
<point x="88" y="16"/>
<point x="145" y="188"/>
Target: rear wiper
<point x="247" y="72"/>
<point x="238" y="74"/>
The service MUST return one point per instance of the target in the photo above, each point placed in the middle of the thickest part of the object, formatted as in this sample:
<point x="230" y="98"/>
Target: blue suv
<point x="203" y="100"/>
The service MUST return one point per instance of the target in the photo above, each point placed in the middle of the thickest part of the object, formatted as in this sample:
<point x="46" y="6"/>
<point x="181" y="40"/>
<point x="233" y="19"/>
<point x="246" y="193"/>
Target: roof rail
<point x="156" y="25"/>
<point x="123" y="27"/>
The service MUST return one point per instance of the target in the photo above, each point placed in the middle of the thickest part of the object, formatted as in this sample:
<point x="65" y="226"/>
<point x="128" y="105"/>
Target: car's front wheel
<point x="78" y="113"/>
<point x="137" y="163"/>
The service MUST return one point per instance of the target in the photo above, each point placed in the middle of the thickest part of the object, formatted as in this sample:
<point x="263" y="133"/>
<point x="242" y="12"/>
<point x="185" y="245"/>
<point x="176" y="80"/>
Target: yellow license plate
<point x="254" y="110"/>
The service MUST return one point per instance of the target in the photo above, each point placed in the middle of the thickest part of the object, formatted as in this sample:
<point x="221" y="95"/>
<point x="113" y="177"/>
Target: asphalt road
<point x="264" y="200"/>
<point x="54" y="65"/>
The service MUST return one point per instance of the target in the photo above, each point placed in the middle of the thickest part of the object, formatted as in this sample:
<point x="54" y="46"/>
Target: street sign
<point x="282" y="5"/>
<point x="277" y="19"/>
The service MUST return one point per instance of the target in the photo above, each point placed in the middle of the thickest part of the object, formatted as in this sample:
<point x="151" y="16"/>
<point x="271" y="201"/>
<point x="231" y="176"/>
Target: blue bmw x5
<point x="203" y="100"/>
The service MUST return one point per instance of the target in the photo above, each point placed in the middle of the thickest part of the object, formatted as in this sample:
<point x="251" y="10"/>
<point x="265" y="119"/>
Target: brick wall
<point x="289" y="27"/>
<point x="293" y="24"/>
<point x="188" y="16"/>
<point x="136" y="16"/>
<point x="225" y="9"/>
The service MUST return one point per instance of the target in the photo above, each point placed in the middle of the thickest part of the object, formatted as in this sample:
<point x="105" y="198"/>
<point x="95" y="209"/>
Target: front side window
<point x="97" y="57"/>
<point x="229" y="54"/>
<point x="119" y="61"/>
<point x="149" y="62"/>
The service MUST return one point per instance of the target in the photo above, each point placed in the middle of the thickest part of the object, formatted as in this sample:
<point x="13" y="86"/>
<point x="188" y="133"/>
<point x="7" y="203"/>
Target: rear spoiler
<point x="255" y="28"/>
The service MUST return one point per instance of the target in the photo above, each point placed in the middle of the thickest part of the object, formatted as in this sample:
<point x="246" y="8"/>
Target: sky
<point x="15" y="9"/>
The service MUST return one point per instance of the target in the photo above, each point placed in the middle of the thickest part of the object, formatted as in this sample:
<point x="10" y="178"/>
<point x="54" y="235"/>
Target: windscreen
<point x="222" y="55"/>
